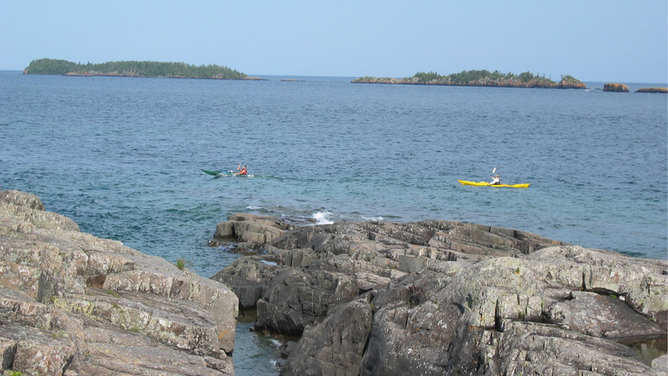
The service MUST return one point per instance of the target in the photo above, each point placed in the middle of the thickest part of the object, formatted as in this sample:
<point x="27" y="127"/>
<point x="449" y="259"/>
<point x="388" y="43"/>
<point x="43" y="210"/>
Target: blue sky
<point x="597" y="40"/>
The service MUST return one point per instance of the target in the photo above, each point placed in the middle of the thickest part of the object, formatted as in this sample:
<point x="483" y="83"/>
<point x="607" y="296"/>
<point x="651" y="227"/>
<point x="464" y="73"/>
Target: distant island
<point x="621" y="88"/>
<point x="479" y="78"/>
<point x="133" y="69"/>
<point x="661" y="90"/>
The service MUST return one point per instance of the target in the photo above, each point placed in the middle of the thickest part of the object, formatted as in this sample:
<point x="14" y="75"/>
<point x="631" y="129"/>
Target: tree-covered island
<point x="133" y="69"/>
<point x="479" y="78"/>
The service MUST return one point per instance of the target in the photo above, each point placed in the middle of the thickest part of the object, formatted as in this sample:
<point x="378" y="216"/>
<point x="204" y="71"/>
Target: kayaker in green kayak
<point x="242" y="170"/>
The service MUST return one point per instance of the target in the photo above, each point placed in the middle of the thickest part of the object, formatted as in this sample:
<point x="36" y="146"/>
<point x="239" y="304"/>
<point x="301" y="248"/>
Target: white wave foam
<point x="322" y="218"/>
<point x="373" y="219"/>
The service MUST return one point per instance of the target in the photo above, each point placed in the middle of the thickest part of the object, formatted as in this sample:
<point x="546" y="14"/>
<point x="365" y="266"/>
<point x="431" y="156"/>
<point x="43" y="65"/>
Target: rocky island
<point x="660" y="90"/>
<point x="446" y="298"/>
<point x="134" y="69"/>
<point x="483" y="78"/>
<point x="621" y="88"/>
<point x="613" y="87"/>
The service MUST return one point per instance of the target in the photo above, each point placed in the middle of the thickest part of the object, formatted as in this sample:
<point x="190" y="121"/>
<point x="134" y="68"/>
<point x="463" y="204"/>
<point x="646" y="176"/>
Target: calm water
<point x="123" y="158"/>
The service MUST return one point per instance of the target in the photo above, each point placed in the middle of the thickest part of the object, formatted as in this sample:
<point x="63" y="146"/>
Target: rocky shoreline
<point x="365" y="298"/>
<point x="74" y="304"/>
<point x="445" y="298"/>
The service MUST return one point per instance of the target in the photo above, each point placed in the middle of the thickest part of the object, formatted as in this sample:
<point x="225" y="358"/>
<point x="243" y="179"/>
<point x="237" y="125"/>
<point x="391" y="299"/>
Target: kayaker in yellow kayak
<point x="496" y="180"/>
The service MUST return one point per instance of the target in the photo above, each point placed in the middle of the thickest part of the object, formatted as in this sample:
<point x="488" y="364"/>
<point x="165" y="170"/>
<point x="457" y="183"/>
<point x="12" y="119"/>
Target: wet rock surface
<point x="450" y="298"/>
<point x="74" y="304"/>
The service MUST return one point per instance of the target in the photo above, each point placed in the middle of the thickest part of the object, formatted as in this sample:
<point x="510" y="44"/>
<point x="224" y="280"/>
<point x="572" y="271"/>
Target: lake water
<point x="123" y="158"/>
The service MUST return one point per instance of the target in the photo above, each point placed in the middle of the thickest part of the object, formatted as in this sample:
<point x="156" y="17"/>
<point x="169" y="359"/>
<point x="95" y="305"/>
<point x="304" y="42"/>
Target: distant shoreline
<point x="116" y="74"/>
<point x="475" y="84"/>
<point x="133" y="69"/>
<point x="480" y="78"/>
<point x="641" y="87"/>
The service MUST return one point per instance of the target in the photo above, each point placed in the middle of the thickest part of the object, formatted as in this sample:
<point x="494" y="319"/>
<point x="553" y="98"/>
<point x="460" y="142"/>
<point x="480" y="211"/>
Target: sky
<point x="593" y="40"/>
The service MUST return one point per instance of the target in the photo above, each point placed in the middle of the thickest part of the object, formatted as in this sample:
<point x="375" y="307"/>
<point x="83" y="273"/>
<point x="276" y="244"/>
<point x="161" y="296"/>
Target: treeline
<point x="480" y="78"/>
<point x="481" y="75"/>
<point x="132" y="69"/>
<point x="485" y="75"/>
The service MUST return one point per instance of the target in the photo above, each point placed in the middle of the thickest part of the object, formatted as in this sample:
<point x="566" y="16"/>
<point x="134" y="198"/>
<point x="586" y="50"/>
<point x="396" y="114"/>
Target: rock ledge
<point x="75" y="304"/>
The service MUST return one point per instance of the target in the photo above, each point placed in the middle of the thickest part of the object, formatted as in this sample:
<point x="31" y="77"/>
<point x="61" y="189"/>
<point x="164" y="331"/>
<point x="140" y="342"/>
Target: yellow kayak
<point x="486" y="184"/>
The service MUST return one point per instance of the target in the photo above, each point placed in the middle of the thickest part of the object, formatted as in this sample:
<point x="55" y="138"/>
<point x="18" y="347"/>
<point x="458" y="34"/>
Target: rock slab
<point x="75" y="304"/>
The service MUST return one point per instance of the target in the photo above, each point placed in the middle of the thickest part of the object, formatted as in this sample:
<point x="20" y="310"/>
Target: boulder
<point x="453" y="298"/>
<point x="72" y="303"/>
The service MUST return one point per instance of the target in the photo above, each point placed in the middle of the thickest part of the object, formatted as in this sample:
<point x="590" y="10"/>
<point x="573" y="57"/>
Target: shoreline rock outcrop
<point x="75" y="304"/>
<point x="439" y="297"/>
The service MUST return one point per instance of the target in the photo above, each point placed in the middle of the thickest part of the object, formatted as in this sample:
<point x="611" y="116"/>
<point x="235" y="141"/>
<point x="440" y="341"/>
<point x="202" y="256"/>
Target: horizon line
<point x="353" y="76"/>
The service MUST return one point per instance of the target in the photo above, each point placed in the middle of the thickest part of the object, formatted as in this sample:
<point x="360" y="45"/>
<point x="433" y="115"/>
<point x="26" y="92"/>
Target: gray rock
<point x="660" y="366"/>
<point x="249" y="278"/>
<point x="251" y="228"/>
<point x="454" y="298"/>
<point x="336" y="346"/>
<point x="297" y="298"/>
<point x="411" y="264"/>
<point x="479" y="320"/>
<point x="71" y="303"/>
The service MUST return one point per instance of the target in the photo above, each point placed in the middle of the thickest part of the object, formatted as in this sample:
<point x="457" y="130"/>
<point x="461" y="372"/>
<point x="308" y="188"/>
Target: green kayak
<point x="225" y="173"/>
<point x="216" y="173"/>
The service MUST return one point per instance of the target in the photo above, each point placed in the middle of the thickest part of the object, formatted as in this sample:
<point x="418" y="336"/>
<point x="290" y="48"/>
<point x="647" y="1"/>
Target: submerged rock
<point x="75" y="304"/>
<point x="439" y="297"/>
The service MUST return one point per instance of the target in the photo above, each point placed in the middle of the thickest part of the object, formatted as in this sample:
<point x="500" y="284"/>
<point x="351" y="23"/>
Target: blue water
<point x="123" y="158"/>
